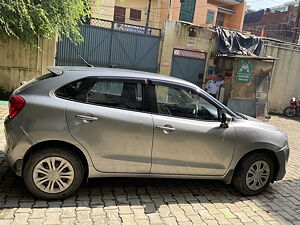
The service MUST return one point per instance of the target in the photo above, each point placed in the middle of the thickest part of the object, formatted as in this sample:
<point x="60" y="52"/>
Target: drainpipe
<point x="148" y="13"/>
<point x="169" y="11"/>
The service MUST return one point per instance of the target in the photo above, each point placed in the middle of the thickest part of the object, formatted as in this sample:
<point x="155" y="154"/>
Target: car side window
<point x="182" y="102"/>
<point x="117" y="94"/>
<point x="76" y="91"/>
<point x="110" y="93"/>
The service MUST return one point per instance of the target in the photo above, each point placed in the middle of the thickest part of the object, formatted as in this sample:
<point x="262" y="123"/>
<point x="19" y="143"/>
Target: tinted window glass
<point x="185" y="103"/>
<point x="117" y="94"/>
<point x="31" y="82"/>
<point x="76" y="90"/>
<point x="45" y="76"/>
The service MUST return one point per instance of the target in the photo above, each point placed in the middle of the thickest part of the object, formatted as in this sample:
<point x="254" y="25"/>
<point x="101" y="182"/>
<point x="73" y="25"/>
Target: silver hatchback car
<point x="79" y="123"/>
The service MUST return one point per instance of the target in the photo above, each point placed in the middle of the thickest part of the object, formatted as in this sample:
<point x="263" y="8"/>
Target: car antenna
<point x="88" y="65"/>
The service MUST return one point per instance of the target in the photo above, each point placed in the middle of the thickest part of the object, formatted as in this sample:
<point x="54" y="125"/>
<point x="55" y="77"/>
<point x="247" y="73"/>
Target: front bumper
<point x="282" y="157"/>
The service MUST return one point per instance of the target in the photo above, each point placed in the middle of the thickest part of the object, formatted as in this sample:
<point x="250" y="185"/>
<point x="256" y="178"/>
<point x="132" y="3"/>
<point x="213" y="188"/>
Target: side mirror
<point x="225" y="120"/>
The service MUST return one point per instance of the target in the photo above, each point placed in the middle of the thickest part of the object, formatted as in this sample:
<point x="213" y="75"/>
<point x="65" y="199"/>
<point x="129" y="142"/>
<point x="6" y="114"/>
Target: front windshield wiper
<point x="241" y="116"/>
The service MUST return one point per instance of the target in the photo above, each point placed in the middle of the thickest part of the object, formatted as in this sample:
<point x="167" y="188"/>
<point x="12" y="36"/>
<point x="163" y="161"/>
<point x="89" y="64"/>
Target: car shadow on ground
<point x="150" y="196"/>
<point x="281" y="116"/>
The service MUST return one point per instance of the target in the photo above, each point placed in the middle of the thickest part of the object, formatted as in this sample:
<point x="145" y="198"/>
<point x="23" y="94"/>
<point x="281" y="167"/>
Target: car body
<point x="122" y="123"/>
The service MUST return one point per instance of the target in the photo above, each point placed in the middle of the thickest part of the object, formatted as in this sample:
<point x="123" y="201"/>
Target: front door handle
<point x="167" y="129"/>
<point x="86" y="118"/>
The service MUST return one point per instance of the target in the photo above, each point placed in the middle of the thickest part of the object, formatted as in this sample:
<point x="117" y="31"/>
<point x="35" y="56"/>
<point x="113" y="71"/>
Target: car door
<point x="188" y="139"/>
<point x="109" y="119"/>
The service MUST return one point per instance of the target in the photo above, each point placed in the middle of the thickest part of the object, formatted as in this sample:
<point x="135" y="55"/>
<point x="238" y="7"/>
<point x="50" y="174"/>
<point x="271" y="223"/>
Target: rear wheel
<point x="53" y="173"/>
<point x="254" y="174"/>
<point x="289" y="112"/>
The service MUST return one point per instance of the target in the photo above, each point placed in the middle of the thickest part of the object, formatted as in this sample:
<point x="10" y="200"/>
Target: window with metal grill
<point x="187" y="10"/>
<point x="210" y="16"/>
<point x="220" y="19"/>
<point x="120" y="13"/>
<point x="135" y="14"/>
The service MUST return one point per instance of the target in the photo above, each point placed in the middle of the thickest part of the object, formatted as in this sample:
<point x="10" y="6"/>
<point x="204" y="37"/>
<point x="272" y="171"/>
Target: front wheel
<point x="254" y="174"/>
<point x="290" y="112"/>
<point x="53" y="173"/>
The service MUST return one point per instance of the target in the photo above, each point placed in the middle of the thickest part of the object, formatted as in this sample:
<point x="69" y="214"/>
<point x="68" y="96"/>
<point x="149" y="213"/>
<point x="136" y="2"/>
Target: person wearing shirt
<point x="213" y="86"/>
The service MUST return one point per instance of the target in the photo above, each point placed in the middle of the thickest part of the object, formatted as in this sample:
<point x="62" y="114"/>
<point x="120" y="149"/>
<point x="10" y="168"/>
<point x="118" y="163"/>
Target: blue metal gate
<point x="112" y="44"/>
<point x="188" y="65"/>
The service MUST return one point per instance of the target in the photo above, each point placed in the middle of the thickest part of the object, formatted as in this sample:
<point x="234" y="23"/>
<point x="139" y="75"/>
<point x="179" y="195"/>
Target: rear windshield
<point x="45" y="76"/>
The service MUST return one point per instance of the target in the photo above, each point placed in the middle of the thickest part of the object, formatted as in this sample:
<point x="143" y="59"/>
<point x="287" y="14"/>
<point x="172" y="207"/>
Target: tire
<point x="53" y="185"/>
<point x="244" y="172"/>
<point x="290" y="112"/>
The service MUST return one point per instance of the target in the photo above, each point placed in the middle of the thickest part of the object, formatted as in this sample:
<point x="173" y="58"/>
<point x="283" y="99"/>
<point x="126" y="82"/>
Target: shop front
<point x="246" y="83"/>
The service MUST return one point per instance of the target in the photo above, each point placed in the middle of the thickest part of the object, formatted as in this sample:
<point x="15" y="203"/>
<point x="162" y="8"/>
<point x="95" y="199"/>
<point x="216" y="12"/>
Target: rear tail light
<point x="16" y="103"/>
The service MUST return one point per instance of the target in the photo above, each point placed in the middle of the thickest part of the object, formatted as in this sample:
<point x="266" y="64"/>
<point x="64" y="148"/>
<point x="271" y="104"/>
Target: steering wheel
<point x="91" y="94"/>
<point x="165" y="110"/>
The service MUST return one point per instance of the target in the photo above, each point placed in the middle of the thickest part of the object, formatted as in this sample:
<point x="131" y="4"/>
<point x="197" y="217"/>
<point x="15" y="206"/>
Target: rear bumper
<point x="16" y="166"/>
<point x="282" y="157"/>
<point x="17" y="142"/>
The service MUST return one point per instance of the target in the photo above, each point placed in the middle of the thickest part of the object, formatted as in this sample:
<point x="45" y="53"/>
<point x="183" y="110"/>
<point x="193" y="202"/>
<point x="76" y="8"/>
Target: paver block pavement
<point x="156" y="201"/>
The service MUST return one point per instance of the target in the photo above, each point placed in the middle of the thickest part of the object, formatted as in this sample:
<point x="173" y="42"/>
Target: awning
<point x="226" y="11"/>
<point x="245" y="57"/>
<point x="229" y="2"/>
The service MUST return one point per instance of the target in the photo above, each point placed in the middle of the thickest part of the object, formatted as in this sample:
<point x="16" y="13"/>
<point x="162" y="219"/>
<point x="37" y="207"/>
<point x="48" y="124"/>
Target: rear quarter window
<point x="33" y="81"/>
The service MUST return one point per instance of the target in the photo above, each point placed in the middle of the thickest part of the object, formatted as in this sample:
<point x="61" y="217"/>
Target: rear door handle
<point x="86" y="118"/>
<point x="167" y="129"/>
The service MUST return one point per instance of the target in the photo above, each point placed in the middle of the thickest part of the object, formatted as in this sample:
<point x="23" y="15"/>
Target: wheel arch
<point x="268" y="152"/>
<point x="62" y="144"/>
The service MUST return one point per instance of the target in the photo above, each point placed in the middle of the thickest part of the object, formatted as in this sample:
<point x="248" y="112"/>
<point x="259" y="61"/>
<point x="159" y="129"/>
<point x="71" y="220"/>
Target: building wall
<point x="248" y="90"/>
<point x="278" y="25"/>
<point x="286" y="80"/>
<point x="234" y="21"/>
<point x="158" y="14"/>
<point x="201" y="12"/>
<point x="174" y="10"/>
<point x="165" y="11"/>
<point x="176" y="35"/>
<point x="285" y="6"/>
<point x="103" y="9"/>
<point x="20" y="63"/>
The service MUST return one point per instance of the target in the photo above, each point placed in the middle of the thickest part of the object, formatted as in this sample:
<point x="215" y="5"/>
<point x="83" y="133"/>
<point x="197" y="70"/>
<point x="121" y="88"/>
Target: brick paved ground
<point x="157" y="201"/>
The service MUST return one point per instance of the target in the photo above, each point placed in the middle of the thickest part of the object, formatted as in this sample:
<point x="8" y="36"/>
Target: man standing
<point x="213" y="86"/>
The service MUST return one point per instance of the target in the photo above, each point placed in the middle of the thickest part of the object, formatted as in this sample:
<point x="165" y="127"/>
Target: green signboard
<point x="245" y="70"/>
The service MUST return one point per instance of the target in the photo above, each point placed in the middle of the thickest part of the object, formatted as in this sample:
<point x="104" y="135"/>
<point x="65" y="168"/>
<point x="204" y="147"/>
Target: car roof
<point x="123" y="73"/>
